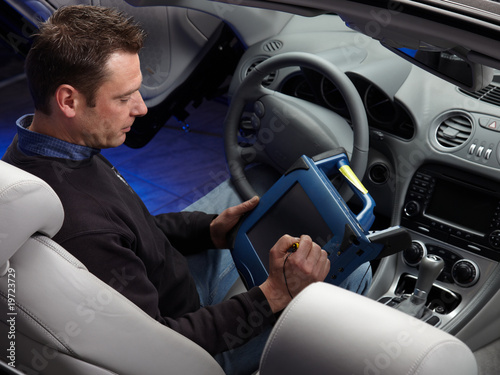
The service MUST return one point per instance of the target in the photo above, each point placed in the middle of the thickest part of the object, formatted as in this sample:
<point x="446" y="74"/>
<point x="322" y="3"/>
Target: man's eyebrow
<point x="128" y="92"/>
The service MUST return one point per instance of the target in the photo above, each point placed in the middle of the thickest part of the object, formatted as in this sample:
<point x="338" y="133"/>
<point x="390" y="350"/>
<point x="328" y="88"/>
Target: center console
<point x="453" y="216"/>
<point x="455" y="207"/>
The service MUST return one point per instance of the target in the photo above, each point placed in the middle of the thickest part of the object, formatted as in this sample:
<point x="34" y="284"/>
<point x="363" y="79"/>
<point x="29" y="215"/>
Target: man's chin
<point x="115" y="142"/>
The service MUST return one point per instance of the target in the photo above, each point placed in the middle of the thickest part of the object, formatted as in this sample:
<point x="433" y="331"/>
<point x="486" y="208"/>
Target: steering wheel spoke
<point x="253" y="154"/>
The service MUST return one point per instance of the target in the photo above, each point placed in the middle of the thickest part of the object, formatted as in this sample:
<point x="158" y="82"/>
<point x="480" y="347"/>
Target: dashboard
<point x="434" y="169"/>
<point x="383" y="112"/>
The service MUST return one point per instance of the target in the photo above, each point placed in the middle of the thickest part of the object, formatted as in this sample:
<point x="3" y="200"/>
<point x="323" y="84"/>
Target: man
<point x="84" y="76"/>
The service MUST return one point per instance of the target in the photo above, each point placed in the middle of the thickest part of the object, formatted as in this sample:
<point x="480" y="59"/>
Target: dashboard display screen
<point x="458" y="204"/>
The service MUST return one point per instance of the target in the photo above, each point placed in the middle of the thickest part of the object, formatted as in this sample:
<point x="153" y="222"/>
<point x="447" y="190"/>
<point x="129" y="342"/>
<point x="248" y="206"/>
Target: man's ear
<point x="67" y="99"/>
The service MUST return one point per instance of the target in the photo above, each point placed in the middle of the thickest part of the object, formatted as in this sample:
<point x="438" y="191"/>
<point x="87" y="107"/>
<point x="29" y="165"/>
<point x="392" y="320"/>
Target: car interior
<point x="84" y="326"/>
<point x="407" y="89"/>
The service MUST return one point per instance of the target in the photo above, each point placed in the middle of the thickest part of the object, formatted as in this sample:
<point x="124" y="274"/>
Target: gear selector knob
<point x="430" y="268"/>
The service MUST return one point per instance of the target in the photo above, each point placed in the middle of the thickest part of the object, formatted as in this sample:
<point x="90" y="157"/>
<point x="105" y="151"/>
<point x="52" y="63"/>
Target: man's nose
<point x="139" y="108"/>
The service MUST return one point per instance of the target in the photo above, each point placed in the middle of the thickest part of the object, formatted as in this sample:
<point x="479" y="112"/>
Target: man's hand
<point x="308" y="264"/>
<point x="222" y="224"/>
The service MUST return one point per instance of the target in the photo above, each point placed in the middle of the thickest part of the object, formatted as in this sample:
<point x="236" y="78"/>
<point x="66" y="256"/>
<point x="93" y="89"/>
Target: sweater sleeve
<point x="216" y="328"/>
<point x="187" y="231"/>
<point x="227" y="325"/>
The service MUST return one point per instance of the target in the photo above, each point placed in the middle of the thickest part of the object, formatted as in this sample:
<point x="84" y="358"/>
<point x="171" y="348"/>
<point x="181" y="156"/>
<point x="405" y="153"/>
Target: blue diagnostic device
<point x="304" y="201"/>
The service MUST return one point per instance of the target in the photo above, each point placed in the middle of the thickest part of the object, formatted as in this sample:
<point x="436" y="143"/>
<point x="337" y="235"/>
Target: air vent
<point x="272" y="46"/>
<point x="268" y="80"/>
<point x="454" y="131"/>
<point x="489" y="94"/>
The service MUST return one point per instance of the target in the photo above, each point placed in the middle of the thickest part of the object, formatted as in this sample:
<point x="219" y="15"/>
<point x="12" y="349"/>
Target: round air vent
<point x="453" y="131"/>
<point x="267" y="80"/>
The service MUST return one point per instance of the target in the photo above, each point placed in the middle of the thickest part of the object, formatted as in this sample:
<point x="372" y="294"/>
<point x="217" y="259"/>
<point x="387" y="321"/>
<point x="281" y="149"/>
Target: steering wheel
<point x="287" y="127"/>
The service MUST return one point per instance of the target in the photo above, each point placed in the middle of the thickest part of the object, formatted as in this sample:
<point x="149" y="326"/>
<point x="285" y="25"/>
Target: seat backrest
<point x="328" y="330"/>
<point x="59" y="318"/>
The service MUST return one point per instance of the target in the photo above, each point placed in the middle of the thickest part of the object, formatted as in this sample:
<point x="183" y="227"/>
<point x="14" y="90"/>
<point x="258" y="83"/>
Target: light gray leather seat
<point x="57" y="318"/>
<point x="65" y="320"/>
<point x="328" y="330"/>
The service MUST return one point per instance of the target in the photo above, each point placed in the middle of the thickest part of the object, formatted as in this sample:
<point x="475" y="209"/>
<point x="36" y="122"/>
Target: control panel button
<point x="472" y="148"/>
<point x="479" y="151"/>
<point x="494" y="239"/>
<point x="484" y="121"/>
<point x="414" y="254"/>
<point x="259" y="109"/>
<point x="412" y="208"/>
<point x="433" y="320"/>
<point x="487" y="154"/>
<point x="465" y="272"/>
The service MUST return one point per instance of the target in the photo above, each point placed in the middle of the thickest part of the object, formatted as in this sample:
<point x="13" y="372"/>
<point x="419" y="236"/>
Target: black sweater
<point x="109" y="229"/>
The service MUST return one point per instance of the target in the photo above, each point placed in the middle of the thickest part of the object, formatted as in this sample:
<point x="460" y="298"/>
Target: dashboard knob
<point x="465" y="272"/>
<point x="494" y="239"/>
<point x="412" y="208"/>
<point x="414" y="254"/>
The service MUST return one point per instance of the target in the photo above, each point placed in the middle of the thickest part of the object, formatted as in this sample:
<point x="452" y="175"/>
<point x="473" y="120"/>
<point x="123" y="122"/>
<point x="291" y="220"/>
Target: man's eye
<point x="125" y="99"/>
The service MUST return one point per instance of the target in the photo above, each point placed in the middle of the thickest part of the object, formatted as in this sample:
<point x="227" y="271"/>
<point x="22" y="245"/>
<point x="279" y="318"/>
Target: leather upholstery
<point x="328" y="330"/>
<point x="66" y="320"/>
<point x="27" y="205"/>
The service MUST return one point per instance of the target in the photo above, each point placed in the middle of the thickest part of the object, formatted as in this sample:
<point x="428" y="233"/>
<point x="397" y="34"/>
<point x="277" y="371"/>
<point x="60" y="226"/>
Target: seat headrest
<point x="328" y="330"/>
<point x="27" y="205"/>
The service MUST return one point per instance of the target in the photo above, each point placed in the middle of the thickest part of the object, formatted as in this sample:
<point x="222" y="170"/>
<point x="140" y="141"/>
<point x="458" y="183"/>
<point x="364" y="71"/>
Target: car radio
<point x="455" y="207"/>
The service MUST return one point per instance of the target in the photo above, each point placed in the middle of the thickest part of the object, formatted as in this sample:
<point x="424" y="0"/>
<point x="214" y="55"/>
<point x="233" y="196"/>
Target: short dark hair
<point x="73" y="46"/>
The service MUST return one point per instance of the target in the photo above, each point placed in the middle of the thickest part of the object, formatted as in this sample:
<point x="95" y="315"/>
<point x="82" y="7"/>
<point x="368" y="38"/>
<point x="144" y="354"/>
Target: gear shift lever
<point x="430" y="268"/>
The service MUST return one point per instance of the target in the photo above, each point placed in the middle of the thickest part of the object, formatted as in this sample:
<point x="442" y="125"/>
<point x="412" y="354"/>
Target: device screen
<point x="294" y="214"/>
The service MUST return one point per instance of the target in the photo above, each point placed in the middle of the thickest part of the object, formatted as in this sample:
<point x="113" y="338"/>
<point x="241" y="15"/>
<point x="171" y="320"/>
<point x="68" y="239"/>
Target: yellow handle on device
<point x="353" y="179"/>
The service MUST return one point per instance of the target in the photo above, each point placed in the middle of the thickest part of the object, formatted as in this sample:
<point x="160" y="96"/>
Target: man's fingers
<point x="311" y="259"/>
<point x="284" y="244"/>
<point x="315" y="253"/>
<point x="251" y="203"/>
<point x="305" y="246"/>
<point x="326" y="265"/>
<point x="244" y="207"/>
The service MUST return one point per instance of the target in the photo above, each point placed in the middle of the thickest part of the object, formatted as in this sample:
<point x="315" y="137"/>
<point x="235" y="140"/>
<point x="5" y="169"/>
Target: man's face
<point x="118" y="103"/>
